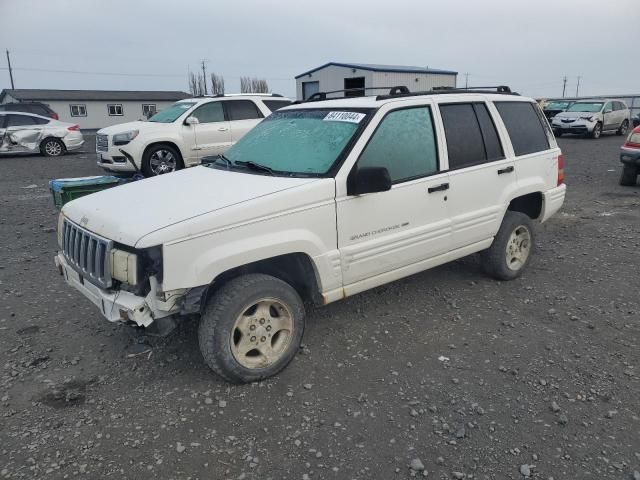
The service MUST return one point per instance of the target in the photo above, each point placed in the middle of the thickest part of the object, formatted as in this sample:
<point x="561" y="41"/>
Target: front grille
<point x="102" y="143"/>
<point x="87" y="253"/>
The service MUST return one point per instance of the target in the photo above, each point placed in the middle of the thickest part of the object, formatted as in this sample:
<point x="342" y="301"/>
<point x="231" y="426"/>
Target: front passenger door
<point x="385" y="235"/>
<point x="212" y="135"/>
<point x="609" y="117"/>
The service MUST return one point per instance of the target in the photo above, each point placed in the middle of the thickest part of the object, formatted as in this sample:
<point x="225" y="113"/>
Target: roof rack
<point x="319" y="96"/>
<point x="239" y="95"/>
<point x="500" y="89"/>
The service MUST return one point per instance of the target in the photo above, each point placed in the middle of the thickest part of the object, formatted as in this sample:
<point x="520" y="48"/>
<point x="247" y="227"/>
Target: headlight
<point x="60" y="228"/>
<point x="588" y="119"/>
<point x="124" y="138"/>
<point x="124" y="266"/>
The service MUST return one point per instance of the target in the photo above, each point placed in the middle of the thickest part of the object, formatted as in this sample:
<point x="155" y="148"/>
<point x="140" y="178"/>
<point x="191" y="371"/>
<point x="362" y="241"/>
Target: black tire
<point x="557" y="133"/>
<point x="495" y="260"/>
<point x="52" y="147"/>
<point x="629" y="176"/>
<point x="161" y="150"/>
<point x="624" y="128"/>
<point x="597" y="131"/>
<point x="218" y="326"/>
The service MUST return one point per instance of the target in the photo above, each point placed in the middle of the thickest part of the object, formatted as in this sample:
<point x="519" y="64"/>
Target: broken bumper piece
<point x="118" y="305"/>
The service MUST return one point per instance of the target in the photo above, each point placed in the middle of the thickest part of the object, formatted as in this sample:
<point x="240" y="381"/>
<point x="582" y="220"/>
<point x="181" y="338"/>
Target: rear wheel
<point x="160" y="159"/>
<point x="629" y="176"/>
<point x="624" y="128"/>
<point x="251" y="328"/>
<point x="511" y="249"/>
<point x="597" y="131"/>
<point x="52" y="147"/>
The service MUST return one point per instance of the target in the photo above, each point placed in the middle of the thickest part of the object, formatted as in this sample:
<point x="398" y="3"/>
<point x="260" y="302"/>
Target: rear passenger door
<point x="383" y="235"/>
<point x="480" y="174"/>
<point x="243" y="115"/>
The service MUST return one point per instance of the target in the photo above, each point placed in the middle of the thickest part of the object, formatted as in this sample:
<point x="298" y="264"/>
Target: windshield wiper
<point x="228" y="162"/>
<point x="255" y="166"/>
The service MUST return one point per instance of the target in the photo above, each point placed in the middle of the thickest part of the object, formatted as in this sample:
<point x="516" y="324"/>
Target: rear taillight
<point x="560" y="169"/>
<point x="73" y="128"/>
<point x="54" y="115"/>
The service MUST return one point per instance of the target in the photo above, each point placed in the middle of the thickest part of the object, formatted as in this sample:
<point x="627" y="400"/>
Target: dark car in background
<point x="30" y="107"/>
<point x="636" y="120"/>
<point x="551" y="109"/>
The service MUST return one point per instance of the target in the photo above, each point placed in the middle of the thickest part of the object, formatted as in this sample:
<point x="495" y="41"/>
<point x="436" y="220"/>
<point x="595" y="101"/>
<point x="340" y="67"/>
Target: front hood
<point x="576" y="114"/>
<point x="128" y="212"/>
<point x="126" y="127"/>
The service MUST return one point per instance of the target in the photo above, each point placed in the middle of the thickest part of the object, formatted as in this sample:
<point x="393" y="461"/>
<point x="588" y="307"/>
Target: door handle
<point x="506" y="170"/>
<point x="223" y="129"/>
<point x="439" y="188"/>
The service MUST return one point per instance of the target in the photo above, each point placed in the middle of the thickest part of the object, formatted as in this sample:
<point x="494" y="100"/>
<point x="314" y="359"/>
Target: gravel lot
<point x="446" y="374"/>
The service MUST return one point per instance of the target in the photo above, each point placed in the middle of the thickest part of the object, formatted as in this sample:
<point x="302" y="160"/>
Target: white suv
<point x="592" y="117"/>
<point x="322" y="200"/>
<point x="181" y="135"/>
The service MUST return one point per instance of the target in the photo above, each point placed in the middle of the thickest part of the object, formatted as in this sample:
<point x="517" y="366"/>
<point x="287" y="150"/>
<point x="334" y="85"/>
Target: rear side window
<point x="20" y="121"/>
<point x="404" y="143"/>
<point x="40" y="121"/>
<point x="525" y="128"/>
<point x="274" y="105"/>
<point x="471" y="135"/>
<point x="242" y="110"/>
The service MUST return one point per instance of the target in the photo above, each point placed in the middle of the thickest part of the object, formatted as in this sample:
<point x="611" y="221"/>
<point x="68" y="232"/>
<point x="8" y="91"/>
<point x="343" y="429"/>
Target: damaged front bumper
<point x="120" y="305"/>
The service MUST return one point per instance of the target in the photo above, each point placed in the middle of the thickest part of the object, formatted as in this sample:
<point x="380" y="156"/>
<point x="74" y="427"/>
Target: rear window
<point x="274" y="105"/>
<point x="241" y="110"/>
<point x="525" y="127"/>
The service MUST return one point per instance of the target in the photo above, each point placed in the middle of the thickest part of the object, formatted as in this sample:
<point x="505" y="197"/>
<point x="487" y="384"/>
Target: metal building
<point x="94" y="109"/>
<point x="359" y="76"/>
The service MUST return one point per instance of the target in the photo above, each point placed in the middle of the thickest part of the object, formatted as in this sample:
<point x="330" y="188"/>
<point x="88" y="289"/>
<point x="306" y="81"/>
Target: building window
<point x="148" y="109"/>
<point x="78" y="110"/>
<point x="115" y="110"/>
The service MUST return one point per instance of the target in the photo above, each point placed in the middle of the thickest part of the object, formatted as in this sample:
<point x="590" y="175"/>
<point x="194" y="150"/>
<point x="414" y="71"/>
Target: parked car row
<point x="592" y="118"/>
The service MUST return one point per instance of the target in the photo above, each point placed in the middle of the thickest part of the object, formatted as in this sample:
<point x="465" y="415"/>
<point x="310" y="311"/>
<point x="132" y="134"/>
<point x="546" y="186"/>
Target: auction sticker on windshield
<point x="351" y="117"/>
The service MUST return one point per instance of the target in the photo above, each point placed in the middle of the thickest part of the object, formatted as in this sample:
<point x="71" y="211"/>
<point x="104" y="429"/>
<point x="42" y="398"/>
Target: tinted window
<point x="209" y="113"/>
<point x="274" y="105"/>
<point x="40" y="121"/>
<point x="20" y="121"/>
<point x="241" y="110"/>
<point x="524" y="127"/>
<point x="464" y="138"/>
<point x="404" y="143"/>
<point x="492" y="145"/>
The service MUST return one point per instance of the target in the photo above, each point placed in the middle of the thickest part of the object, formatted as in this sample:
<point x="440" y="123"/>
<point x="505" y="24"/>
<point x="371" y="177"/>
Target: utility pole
<point x="466" y="80"/>
<point x="564" y="85"/>
<point x="578" y="86"/>
<point x="10" y="71"/>
<point x="204" y="77"/>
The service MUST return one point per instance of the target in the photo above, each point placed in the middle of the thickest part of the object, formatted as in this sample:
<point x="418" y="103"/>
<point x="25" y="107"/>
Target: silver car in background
<point x="22" y="132"/>
<point x="592" y="117"/>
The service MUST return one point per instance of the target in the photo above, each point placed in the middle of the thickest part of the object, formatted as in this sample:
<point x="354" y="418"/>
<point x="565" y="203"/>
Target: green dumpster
<point x="64" y="190"/>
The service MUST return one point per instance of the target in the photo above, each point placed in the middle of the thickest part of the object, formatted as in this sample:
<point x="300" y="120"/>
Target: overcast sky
<point x="152" y="44"/>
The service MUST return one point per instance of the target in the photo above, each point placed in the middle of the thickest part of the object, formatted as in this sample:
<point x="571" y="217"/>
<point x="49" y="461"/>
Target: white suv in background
<point x="181" y="135"/>
<point x="320" y="201"/>
<point x="592" y="118"/>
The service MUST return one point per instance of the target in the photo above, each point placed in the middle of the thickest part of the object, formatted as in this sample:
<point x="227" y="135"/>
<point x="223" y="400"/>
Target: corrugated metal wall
<point x="416" y="82"/>
<point x="332" y="78"/>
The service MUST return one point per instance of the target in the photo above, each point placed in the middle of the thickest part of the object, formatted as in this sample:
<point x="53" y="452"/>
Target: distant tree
<point x="217" y="84"/>
<point x="253" y="85"/>
<point x="196" y="84"/>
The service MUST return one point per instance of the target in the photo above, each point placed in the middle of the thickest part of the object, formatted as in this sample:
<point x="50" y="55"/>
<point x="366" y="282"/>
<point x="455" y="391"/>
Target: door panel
<point x="243" y="115"/>
<point x="384" y="231"/>
<point x="212" y="136"/>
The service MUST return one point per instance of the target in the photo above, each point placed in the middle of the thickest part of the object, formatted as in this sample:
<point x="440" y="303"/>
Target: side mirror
<point x="369" y="180"/>
<point x="192" y="121"/>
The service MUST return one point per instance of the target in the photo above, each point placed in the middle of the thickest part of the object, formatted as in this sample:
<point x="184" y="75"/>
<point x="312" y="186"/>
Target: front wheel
<point x="629" y="176"/>
<point x="597" y="131"/>
<point x="557" y="133"/>
<point x="52" y="147"/>
<point x="511" y="249"/>
<point x="251" y="328"/>
<point x="624" y="128"/>
<point x="160" y="159"/>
